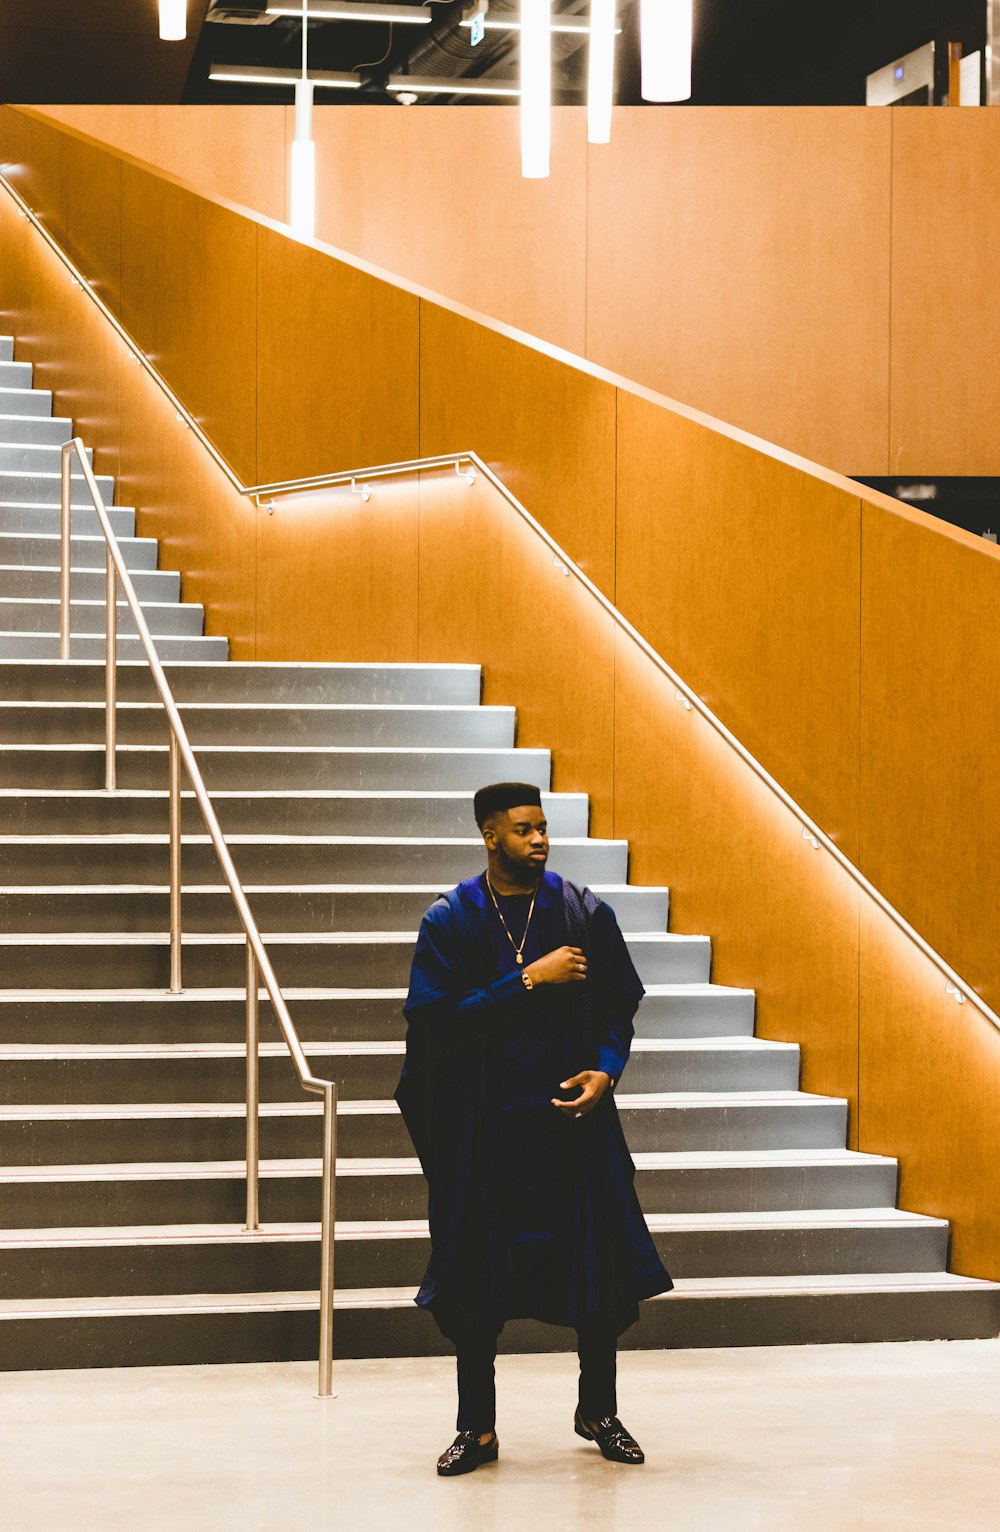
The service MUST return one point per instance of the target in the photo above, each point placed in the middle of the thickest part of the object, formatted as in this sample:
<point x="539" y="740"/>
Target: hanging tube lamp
<point x="173" y="21"/>
<point x="666" y="33"/>
<point x="302" y="180"/>
<point x="601" y="71"/>
<point x="536" y="88"/>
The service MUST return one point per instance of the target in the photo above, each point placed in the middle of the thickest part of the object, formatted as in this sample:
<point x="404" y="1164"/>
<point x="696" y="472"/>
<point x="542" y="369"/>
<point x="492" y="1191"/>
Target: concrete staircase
<point x="345" y="793"/>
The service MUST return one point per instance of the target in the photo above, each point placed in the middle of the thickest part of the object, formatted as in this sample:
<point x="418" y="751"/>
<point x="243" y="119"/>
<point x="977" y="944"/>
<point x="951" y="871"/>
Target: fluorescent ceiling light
<point x="262" y="74"/>
<point x="343" y="10"/>
<point x="440" y="85"/>
<point x="666" y="31"/>
<point x="173" y="21"/>
<point x="559" y="24"/>
<point x="536" y="88"/>
<point x="601" y="71"/>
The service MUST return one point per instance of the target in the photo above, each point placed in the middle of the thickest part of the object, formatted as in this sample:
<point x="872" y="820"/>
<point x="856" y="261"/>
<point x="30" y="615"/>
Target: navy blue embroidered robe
<point x="533" y="1214"/>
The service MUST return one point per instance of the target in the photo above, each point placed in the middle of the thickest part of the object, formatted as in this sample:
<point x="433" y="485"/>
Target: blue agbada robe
<point x="533" y="1214"/>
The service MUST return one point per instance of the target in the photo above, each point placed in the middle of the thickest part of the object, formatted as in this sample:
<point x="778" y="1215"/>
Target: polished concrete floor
<point x="793" y="1439"/>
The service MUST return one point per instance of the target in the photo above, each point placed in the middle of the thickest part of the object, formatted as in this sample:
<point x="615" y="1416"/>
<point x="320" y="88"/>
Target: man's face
<point x="520" y="837"/>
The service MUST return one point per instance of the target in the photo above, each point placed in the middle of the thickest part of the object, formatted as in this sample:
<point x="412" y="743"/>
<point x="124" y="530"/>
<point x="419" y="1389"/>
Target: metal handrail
<point x="258" y="963"/>
<point x="955" y="985"/>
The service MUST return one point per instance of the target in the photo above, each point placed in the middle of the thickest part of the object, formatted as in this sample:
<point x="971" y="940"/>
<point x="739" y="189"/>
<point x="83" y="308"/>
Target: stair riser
<point x="258" y="768"/>
<point x="671" y="1323"/>
<point x="36" y="457"/>
<point x="44" y="489"/>
<point x="39" y="520"/>
<point x="15" y="375"/>
<point x="382" y="1134"/>
<point x="16" y="399"/>
<point x="261" y="1265"/>
<point x="39" y="429"/>
<point x="159" y="585"/>
<point x="443" y="864"/>
<point x="294" y="1198"/>
<point x="143" y="723"/>
<point x="85" y="552"/>
<point x="360" y="1077"/>
<point x="186" y="619"/>
<point x="365" y="685"/>
<point x="351" y="1017"/>
<point x="33" y="646"/>
<point x="109" y="815"/>
<point x="6" y="348"/>
<point x="637" y="909"/>
<point x="359" y="964"/>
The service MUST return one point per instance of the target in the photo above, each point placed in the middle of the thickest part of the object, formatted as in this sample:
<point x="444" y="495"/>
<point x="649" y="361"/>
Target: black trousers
<point x="597" y="1347"/>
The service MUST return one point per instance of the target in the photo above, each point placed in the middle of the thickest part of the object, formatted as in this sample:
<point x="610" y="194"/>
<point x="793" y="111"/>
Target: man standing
<point x="520" y="1009"/>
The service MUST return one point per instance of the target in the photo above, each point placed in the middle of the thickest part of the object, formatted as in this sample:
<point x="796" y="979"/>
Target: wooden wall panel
<point x="783" y="921"/>
<point x="489" y="594"/>
<point x="930" y="1088"/>
<point x="189" y="275"/>
<point x="945" y="300"/>
<point x="545" y="428"/>
<point x="235" y="153"/>
<point x="744" y="573"/>
<point x="930" y="742"/>
<point x="337" y="578"/>
<point x="438" y="197"/>
<point x="336" y="364"/>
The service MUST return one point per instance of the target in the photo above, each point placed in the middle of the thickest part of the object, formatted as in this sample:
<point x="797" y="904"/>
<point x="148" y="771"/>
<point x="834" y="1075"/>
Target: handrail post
<point x="253" y="1092"/>
<point x="175" y="865"/>
<point x="65" y="548"/>
<point x="327" y="1235"/>
<point x="110" y="672"/>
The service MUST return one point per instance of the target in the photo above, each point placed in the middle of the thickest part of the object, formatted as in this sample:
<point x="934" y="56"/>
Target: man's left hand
<point x="593" y="1083"/>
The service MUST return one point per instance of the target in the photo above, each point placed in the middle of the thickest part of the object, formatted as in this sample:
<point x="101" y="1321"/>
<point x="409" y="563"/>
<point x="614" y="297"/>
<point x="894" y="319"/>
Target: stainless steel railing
<point x="258" y="964"/>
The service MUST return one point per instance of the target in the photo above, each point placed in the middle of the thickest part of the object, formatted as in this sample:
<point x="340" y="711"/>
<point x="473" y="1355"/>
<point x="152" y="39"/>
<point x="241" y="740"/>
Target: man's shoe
<point x="612" y="1438"/>
<point x="468" y="1453"/>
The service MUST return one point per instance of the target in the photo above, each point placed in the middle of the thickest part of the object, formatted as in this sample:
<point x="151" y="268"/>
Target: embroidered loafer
<point x="467" y="1453"/>
<point x="611" y="1436"/>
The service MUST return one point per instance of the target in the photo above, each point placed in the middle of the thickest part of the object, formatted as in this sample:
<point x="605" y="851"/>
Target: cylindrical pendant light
<point x="601" y="71"/>
<point x="536" y="88"/>
<point x="173" y="20"/>
<point x="302" y="181"/>
<point x="667" y="27"/>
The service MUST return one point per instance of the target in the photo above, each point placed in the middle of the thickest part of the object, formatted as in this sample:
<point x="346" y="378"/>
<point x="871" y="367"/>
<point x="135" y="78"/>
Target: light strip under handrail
<point x="954" y="983"/>
<point x="258" y="963"/>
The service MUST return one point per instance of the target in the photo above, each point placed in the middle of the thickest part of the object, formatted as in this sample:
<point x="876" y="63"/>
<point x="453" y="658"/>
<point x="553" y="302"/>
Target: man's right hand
<point x="566" y="965"/>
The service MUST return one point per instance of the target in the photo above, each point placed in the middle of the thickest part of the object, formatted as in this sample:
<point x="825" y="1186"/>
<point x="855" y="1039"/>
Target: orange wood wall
<point x="772" y="267"/>
<point x="849" y="642"/>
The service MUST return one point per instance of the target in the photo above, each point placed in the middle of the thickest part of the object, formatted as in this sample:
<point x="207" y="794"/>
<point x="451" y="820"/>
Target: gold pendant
<point x="519" y="959"/>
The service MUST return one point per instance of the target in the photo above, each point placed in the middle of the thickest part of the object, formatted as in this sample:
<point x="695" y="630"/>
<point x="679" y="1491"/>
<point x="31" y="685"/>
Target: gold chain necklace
<point x="518" y="950"/>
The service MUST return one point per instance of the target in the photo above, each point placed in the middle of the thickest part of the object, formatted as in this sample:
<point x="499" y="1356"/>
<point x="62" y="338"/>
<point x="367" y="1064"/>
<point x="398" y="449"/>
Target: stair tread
<point x="276" y="938"/>
<point x="862" y="1283"/>
<point x="291" y="992"/>
<point x="372" y="1048"/>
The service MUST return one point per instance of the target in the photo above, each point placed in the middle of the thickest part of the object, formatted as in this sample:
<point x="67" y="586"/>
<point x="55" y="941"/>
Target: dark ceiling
<point x="747" y="52"/>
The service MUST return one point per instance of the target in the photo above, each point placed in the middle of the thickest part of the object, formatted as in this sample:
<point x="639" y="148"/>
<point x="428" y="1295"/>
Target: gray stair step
<point x="202" y="1258"/>
<point x="364" y="1071"/>
<point x="63" y="1134"/>
<point x="18" y="400"/>
<point x="6" y="348"/>
<point x="30" y="520"/>
<point x="43" y="646"/>
<point x="373" y="960"/>
<point x="241" y="681"/>
<point x="31" y="615"/>
<point x="272" y="723"/>
<point x="42" y="429"/>
<point x="38" y="860"/>
<point x="15" y="374"/>
<point x="43" y="488"/>
<point x="256" y="766"/>
<point x="174" y="1329"/>
<point x="85" y="552"/>
<point x="297" y="812"/>
<point x="42" y="583"/>
<point x="748" y="1181"/>
<point x="25" y="456"/>
<point x="331" y="908"/>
